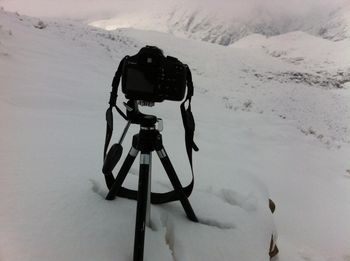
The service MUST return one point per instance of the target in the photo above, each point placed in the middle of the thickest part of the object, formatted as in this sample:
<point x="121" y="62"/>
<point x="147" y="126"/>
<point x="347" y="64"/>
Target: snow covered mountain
<point x="338" y="25"/>
<point x="219" y="25"/>
<point x="272" y="120"/>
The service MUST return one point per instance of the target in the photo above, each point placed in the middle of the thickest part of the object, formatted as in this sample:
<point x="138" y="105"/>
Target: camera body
<point x="152" y="77"/>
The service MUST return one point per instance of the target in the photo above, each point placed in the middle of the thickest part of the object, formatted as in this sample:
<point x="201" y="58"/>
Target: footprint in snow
<point x="98" y="189"/>
<point x="247" y="202"/>
<point x="216" y="223"/>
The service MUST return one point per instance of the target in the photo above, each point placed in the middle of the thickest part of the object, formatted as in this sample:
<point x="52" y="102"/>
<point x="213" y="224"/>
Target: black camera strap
<point x="189" y="126"/>
<point x="113" y="104"/>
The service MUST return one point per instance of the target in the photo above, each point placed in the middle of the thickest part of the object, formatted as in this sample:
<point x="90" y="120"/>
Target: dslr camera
<point x="150" y="76"/>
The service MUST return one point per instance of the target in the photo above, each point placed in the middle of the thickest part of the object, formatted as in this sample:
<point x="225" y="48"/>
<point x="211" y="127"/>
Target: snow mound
<point x="250" y="41"/>
<point x="324" y="66"/>
<point x="315" y="50"/>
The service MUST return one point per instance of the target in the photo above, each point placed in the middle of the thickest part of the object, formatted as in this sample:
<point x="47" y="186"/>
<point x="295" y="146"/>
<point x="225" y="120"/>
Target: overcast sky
<point x="101" y="9"/>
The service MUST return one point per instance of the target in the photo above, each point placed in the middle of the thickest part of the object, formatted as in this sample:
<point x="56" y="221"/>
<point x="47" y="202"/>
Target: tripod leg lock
<point x="161" y="153"/>
<point x="133" y="152"/>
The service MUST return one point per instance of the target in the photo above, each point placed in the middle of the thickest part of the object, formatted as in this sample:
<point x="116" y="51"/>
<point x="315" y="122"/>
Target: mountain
<point x="219" y="25"/>
<point x="337" y="27"/>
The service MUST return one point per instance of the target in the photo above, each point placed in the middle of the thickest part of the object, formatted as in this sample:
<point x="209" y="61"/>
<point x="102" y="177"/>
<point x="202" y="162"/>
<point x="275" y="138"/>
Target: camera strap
<point x="189" y="126"/>
<point x="113" y="104"/>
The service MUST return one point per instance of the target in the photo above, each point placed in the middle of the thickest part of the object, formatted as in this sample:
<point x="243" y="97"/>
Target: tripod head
<point x="134" y="116"/>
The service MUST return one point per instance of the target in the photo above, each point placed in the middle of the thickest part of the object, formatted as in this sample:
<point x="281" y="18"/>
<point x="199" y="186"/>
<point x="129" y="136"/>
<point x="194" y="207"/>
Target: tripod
<point x="146" y="141"/>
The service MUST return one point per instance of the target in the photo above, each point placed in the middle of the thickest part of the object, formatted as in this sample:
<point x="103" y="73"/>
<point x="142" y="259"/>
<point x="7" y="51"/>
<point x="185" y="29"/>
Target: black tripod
<point x="147" y="140"/>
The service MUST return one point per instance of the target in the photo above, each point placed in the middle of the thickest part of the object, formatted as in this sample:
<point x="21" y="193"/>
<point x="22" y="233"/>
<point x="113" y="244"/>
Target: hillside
<point x="272" y="121"/>
<point x="227" y="22"/>
<point x="337" y="27"/>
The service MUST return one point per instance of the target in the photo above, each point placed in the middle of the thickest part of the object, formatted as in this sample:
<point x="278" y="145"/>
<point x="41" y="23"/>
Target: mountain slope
<point x="256" y="124"/>
<point x="217" y="24"/>
<point x="337" y="27"/>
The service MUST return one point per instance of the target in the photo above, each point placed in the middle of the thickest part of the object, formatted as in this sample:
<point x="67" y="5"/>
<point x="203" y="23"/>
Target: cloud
<point x="66" y="8"/>
<point x="272" y="7"/>
<point x="102" y="9"/>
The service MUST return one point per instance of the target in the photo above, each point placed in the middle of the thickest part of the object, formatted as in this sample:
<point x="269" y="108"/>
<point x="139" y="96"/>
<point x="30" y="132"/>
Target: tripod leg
<point x="122" y="174"/>
<point x="143" y="205"/>
<point x="169" y="169"/>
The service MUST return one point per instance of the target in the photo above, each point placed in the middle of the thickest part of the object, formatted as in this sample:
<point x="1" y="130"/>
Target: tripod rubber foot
<point x="110" y="197"/>
<point x="109" y="178"/>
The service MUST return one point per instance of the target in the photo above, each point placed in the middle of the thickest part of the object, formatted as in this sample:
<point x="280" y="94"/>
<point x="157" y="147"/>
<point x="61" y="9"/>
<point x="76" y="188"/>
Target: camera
<point x="150" y="76"/>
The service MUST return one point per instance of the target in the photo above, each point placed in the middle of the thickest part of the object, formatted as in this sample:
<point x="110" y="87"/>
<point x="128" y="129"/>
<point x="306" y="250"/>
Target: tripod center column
<point x="146" y="159"/>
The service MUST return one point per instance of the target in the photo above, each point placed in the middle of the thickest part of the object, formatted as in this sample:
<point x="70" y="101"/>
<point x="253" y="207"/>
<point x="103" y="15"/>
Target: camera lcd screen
<point x="136" y="82"/>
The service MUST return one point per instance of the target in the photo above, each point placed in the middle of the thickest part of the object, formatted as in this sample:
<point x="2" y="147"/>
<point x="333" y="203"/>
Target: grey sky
<point x="99" y="9"/>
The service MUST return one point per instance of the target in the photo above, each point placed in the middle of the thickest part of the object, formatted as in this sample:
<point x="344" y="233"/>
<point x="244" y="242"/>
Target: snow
<point x="337" y="27"/>
<point x="225" y="22"/>
<point x="257" y="128"/>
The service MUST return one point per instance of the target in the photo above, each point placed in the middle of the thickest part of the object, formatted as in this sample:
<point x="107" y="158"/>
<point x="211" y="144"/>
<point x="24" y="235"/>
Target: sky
<point x="103" y="9"/>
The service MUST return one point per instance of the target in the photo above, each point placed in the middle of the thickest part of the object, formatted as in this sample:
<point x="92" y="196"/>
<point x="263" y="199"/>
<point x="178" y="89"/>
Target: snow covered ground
<point x="272" y="120"/>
